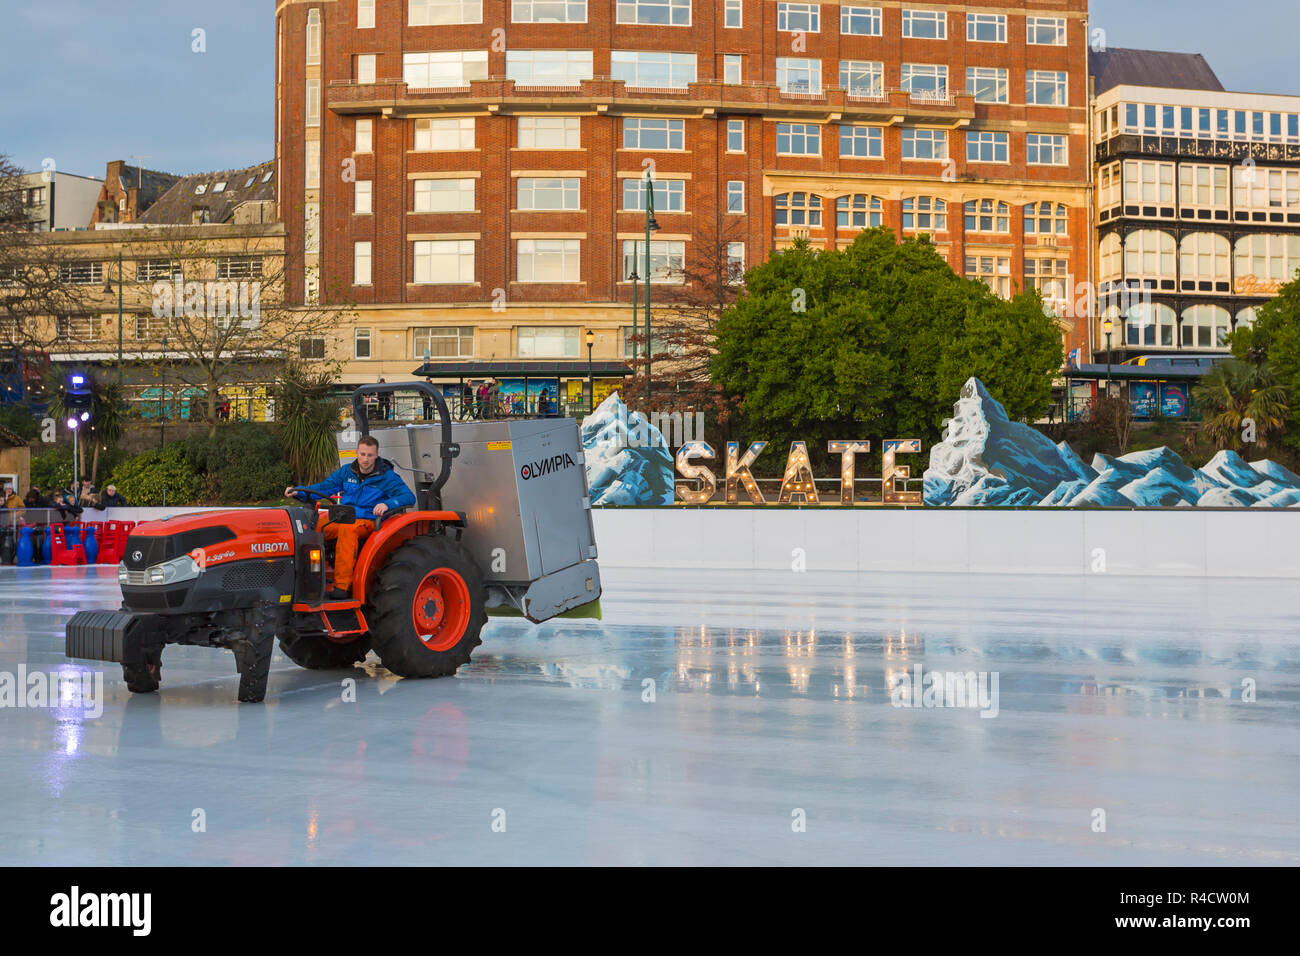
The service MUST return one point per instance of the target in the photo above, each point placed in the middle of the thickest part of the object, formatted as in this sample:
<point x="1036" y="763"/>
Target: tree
<point x="36" y="281"/>
<point x="1241" y="403"/>
<point x="108" y="416"/>
<point x="686" y="323"/>
<point x="310" y="417"/>
<point x="876" y="341"/>
<point x="1274" y="340"/>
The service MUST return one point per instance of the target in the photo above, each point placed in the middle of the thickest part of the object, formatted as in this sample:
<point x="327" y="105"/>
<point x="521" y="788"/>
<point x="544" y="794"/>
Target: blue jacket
<point x="383" y="484"/>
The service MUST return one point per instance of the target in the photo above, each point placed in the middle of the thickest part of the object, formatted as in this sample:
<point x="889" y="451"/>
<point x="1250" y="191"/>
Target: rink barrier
<point x="1179" y="542"/>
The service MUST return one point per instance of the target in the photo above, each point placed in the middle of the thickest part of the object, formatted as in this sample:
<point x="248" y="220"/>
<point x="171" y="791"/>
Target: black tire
<point x="392" y="627"/>
<point x="144" y="680"/>
<point x="318" y="653"/>
<point x="253" y="654"/>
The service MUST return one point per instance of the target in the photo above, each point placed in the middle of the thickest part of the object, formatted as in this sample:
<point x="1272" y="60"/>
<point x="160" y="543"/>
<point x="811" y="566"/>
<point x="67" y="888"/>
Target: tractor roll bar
<point x="447" y="448"/>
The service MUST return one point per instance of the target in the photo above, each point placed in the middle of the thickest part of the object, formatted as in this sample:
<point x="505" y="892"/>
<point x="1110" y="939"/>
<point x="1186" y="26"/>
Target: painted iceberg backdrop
<point x="628" y="460"/>
<point x="987" y="459"/>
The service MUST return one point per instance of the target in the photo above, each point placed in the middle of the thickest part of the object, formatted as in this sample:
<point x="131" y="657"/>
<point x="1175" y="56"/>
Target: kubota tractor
<point x="520" y="540"/>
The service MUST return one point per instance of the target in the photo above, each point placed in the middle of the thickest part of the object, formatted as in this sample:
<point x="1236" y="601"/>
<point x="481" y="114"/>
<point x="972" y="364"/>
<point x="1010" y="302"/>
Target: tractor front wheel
<point x="426" y="610"/>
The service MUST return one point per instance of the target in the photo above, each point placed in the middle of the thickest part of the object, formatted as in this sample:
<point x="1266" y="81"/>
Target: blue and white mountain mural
<point x="987" y="459"/>
<point x="628" y="460"/>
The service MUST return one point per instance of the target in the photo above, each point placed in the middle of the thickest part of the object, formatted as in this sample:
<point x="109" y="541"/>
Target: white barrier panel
<point x="1183" y="542"/>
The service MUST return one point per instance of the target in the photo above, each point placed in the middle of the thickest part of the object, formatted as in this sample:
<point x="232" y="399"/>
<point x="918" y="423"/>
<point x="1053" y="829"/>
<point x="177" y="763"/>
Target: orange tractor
<point x="520" y="542"/>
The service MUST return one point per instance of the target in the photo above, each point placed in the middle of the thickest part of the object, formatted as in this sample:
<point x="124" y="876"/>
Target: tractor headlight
<point x="156" y="575"/>
<point x="122" y="575"/>
<point x="184" y="568"/>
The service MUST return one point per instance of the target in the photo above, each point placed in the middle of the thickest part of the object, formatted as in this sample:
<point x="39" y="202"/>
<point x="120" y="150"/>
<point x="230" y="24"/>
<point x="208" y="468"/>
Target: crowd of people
<point x="68" y="502"/>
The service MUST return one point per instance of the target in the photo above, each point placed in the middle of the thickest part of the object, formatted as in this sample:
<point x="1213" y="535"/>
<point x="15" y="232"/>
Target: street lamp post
<point x="650" y="224"/>
<point x="636" y="305"/>
<point x="591" y="384"/>
<point x="162" y="390"/>
<point x="1108" y="326"/>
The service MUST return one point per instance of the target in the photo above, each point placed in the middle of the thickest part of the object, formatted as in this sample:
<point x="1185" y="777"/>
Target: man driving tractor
<point x="372" y="487"/>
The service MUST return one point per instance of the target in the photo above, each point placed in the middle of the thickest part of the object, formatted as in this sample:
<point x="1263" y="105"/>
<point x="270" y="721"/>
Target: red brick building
<point x="460" y="168"/>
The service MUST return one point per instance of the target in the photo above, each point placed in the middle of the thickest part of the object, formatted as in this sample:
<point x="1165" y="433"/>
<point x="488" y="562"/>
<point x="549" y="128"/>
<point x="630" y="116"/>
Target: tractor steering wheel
<point x="314" y="495"/>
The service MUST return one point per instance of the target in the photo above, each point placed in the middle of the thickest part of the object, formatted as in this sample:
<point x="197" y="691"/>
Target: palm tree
<point x="310" y="416"/>
<point x="1238" y="397"/>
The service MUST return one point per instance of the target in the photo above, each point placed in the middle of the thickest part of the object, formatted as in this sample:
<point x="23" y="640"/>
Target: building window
<point x="1202" y="186"/>
<point x="860" y="21"/>
<point x="1110" y="259"/>
<point x="1046" y="219"/>
<point x="549" y="11"/>
<point x="1266" y="258"/>
<point x="735" y="263"/>
<point x="239" y="267"/>
<point x="444" y="261"/>
<point x="987" y="215"/>
<point x="1204" y="263"/>
<point x="313" y="37"/>
<point x="735" y="196"/>
<point x="154" y="270"/>
<point x="362" y="193"/>
<point x="1044" y="150"/>
<point x="732" y="18"/>
<point x="925" y="143"/>
<point x="1109" y="184"/>
<point x="548" y="194"/>
<point x="310" y="292"/>
<point x="311" y="227"/>
<point x="798" y="139"/>
<point x="925" y="24"/>
<point x="1259" y="188"/>
<point x="547" y="341"/>
<point x="444" y="195"/>
<point x="312" y="174"/>
<point x="364" y="136"/>
<point x="1149" y="253"/>
<point x="859" y="212"/>
<point x="75" y="328"/>
<point x="1204" y="326"/>
<point x="735" y="136"/>
<point x="550" y="132"/>
<point x="798" y="75"/>
<point x="987" y="83"/>
<point x="311" y="347"/>
<point x="798" y="17"/>
<point x="1148" y="323"/>
<point x="548" y="260"/>
<point x="1049" y="277"/>
<point x="670" y="195"/>
<point x="654" y="134"/>
<point x="452" y="342"/>
<point x="676" y="13"/>
<point x="362" y="263"/>
<point x="366" y="68"/>
<point x="448" y="69"/>
<point x="424" y="13"/>
<point x="1045" y="88"/>
<point x="993" y="271"/>
<point x="925" y="214"/>
<point x="444" y="134"/>
<point x="1146" y="182"/>
<point x="361" y="344"/>
<point x="652" y="70"/>
<point x="548" y="67"/>
<point x="925" y="81"/>
<point x="365" y="14"/>
<point x="862" y="142"/>
<point x="799" y="209"/>
<point x="862" y="77"/>
<point x="149" y="328"/>
<point x="312" y="111"/>
<point x="986" y="27"/>
<point x="1045" y="31"/>
<point x="81" y="273"/>
<point x="985" y="147"/>
<point x="731" y="73"/>
<point x="667" y="260"/>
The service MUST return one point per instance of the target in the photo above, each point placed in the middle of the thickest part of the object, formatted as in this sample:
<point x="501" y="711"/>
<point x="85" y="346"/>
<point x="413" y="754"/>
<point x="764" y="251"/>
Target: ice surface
<point x="769" y="696"/>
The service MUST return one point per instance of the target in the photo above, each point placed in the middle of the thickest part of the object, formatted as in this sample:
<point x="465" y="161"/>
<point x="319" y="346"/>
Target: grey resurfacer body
<point x="522" y="485"/>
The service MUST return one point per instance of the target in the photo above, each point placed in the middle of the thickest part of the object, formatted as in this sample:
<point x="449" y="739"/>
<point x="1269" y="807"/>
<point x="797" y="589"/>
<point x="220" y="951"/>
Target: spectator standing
<point x="112" y="499"/>
<point x="494" y="396"/>
<point x="481" y="411"/>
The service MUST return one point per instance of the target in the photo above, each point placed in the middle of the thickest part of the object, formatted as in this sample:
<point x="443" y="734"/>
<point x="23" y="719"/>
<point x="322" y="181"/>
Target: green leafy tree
<point x="1237" y="398"/>
<point x="159" y="477"/>
<point x="242" y="462"/>
<point x="1274" y="339"/>
<point x="876" y="340"/>
<point x="305" y="404"/>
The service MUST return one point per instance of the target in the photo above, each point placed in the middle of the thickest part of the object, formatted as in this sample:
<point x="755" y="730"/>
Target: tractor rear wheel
<point x="426" y="610"/>
<point x="318" y="653"/>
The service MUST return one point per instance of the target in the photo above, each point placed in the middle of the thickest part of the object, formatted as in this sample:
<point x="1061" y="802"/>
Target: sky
<point x="83" y="82"/>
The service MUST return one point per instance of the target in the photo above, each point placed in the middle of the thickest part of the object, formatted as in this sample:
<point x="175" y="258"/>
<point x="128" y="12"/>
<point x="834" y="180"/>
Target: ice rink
<point x="768" y="735"/>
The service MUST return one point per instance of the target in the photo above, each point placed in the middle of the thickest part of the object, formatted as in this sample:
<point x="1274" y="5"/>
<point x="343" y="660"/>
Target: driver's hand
<point x="380" y="509"/>
<point x="290" y="493"/>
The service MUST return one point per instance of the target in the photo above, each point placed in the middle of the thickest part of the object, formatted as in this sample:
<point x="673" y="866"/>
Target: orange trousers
<point x="349" y="537"/>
